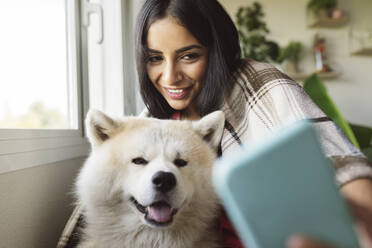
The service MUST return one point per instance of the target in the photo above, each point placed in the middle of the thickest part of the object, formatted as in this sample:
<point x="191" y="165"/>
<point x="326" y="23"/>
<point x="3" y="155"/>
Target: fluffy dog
<point x="147" y="182"/>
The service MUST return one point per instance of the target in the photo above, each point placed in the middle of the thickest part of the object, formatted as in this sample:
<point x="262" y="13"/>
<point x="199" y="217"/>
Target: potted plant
<point x="252" y="34"/>
<point x="292" y="55"/>
<point x="321" y="8"/>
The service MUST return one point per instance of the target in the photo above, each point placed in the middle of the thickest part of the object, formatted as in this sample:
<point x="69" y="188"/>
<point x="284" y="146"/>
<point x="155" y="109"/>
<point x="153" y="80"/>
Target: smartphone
<point x="282" y="186"/>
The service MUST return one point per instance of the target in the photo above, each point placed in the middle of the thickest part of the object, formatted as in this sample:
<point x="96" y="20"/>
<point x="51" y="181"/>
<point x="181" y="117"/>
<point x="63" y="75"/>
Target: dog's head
<point x="156" y="170"/>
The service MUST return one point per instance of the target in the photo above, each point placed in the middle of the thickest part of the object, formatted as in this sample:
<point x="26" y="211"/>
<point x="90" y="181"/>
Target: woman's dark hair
<point x="210" y="24"/>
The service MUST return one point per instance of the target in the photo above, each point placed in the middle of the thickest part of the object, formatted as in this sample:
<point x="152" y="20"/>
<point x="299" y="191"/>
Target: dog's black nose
<point x="164" y="181"/>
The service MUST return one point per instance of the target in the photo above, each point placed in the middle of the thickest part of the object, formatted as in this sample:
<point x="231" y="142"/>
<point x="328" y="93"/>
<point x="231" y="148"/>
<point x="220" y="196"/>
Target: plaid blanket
<point x="264" y="99"/>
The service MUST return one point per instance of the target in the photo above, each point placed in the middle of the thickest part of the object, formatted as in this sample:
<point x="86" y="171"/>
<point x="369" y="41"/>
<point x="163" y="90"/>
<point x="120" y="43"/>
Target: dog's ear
<point x="210" y="127"/>
<point x="99" y="126"/>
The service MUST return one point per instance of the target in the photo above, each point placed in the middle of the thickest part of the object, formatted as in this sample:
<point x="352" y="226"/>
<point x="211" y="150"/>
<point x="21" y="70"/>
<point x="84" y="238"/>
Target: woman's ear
<point x="210" y="127"/>
<point x="99" y="126"/>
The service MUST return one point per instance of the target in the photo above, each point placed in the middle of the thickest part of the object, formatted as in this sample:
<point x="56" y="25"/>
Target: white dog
<point x="147" y="182"/>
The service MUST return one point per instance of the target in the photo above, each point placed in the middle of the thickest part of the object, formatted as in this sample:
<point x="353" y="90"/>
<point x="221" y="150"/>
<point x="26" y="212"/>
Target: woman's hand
<point x="363" y="218"/>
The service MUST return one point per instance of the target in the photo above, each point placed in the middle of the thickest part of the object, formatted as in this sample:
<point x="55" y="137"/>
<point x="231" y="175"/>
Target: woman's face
<point x="177" y="63"/>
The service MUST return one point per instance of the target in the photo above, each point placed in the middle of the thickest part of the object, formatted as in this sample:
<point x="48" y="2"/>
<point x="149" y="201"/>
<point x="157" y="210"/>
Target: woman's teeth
<point x="178" y="94"/>
<point x="175" y="91"/>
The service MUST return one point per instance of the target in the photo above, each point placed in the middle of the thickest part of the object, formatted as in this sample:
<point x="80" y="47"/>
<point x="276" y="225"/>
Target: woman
<point x="189" y="64"/>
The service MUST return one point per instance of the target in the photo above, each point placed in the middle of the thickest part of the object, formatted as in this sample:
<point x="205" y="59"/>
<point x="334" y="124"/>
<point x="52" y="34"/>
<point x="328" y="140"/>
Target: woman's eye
<point x="191" y="56"/>
<point x="139" y="161"/>
<point x="180" y="162"/>
<point x="155" y="59"/>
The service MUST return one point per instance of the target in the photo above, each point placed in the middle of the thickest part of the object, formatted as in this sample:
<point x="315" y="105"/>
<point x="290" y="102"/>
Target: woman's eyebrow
<point x="187" y="48"/>
<point x="183" y="49"/>
<point x="153" y="51"/>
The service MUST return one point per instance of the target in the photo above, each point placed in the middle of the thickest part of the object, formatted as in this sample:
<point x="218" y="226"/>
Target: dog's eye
<point x="180" y="162"/>
<point x="140" y="161"/>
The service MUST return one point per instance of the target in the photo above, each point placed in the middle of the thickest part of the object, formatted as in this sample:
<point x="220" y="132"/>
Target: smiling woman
<point x="176" y="67"/>
<point x="183" y="57"/>
<point x="189" y="64"/>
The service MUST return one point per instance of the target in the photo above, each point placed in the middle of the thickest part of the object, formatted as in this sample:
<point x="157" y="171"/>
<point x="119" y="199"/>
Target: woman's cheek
<point x="152" y="72"/>
<point x="201" y="69"/>
<point x="197" y="70"/>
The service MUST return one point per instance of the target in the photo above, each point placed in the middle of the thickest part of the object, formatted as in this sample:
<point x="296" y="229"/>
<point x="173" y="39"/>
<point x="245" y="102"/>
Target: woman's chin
<point x="178" y="104"/>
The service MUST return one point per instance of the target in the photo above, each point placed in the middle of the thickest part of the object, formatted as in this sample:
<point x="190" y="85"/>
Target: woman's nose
<point x="171" y="73"/>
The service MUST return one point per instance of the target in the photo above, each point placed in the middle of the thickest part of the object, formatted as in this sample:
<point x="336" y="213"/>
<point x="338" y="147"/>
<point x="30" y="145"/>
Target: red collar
<point x="176" y="115"/>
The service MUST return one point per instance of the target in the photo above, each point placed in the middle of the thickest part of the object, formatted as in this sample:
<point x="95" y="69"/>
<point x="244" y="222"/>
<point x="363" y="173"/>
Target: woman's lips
<point x="177" y="94"/>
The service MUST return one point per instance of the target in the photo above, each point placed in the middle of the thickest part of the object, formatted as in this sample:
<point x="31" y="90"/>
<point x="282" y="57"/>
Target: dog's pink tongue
<point x="160" y="213"/>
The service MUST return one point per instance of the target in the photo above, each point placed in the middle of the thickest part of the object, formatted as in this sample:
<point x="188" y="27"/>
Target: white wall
<point x="36" y="203"/>
<point x="286" y="19"/>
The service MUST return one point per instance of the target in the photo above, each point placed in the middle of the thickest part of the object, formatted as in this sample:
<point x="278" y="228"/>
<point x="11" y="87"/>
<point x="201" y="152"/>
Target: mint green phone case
<point x="282" y="186"/>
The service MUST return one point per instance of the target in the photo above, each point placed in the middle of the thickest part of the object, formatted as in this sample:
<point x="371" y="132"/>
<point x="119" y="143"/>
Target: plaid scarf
<point x="264" y="99"/>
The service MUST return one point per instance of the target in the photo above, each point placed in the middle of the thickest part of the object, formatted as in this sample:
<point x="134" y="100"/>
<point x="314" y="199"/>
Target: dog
<point x="147" y="182"/>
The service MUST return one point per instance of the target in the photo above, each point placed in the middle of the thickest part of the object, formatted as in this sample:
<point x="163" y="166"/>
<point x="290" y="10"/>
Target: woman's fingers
<point x="300" y="241"/>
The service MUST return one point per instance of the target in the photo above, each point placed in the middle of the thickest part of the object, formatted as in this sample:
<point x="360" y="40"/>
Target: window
<point x="35" y="85"/>
<point x="40" y="83"/>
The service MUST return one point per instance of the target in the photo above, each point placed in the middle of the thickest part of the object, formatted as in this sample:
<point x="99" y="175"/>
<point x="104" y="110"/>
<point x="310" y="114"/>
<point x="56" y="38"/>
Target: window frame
<point x="25" y="148"/>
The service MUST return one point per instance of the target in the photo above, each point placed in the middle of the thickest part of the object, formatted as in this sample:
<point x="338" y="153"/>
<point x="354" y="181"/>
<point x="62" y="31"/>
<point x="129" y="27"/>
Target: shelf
<point x="362" y="52"/>
<point x="329" y="22"/>
<point x="321" y="75"/>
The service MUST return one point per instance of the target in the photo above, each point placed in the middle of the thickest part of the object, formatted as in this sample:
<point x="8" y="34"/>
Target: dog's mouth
<point x="159" y="213"/>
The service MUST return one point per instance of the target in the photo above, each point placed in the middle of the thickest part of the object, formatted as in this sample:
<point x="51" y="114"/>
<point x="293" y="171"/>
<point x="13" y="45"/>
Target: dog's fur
<point x="119" y="175"/>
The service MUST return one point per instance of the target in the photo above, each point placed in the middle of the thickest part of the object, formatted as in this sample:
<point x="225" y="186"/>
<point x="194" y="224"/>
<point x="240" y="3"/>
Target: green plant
<point x="315" y="5"/>
<point x="252" y="34"/>
<point x="315" y="88"/>
<point x="291" y="52"/>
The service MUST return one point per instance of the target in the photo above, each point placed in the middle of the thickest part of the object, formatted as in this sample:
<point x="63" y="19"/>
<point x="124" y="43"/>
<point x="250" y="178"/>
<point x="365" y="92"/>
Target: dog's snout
<point x="164" y="181"/>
